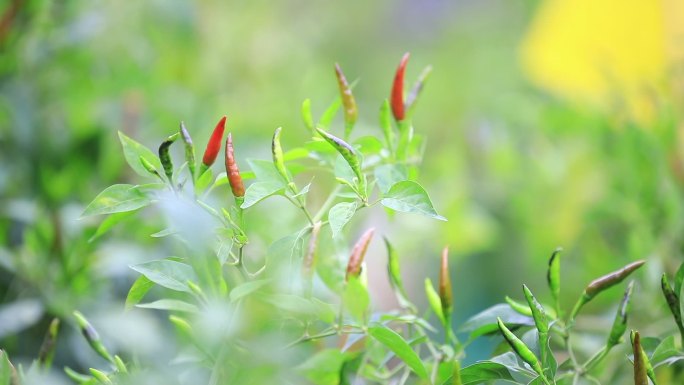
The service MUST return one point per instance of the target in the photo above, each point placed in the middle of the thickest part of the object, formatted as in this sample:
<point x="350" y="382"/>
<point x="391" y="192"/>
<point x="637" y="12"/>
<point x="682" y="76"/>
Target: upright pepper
<point x="358" y="252"/>
<point x="278" y="157"/>
<point x="620" y="322"/>
<point x="92" y="337"/>
<point x="214" y="144"/>
<point x="445" y="295"/>
<point x="673" y="303"/>
<point x="189" y="149"/>
<point x="348" y="101"/>
<point x="521" y="349"/>
<point x="397" y="96"/>
<point x="643" y="370"/>
<point x="233" y="172"/>
<point x="165" y="157"/>
<point x="553" y="279"/>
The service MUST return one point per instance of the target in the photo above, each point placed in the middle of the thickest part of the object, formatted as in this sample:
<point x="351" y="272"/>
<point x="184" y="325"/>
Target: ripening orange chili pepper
<point x="445" y="283"/>
<point x="397" y="97"/>
<point x="232" y="170"/>
<point x="214" y="145"/>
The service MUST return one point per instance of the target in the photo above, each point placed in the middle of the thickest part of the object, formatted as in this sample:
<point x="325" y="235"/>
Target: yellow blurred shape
<point x="608" y="53"/>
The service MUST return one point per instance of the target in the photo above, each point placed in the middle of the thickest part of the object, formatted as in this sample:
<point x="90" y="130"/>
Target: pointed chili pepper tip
<point x="214" y="144"/>
<point x="397" y="97"/>
<point x="358" y="253"/>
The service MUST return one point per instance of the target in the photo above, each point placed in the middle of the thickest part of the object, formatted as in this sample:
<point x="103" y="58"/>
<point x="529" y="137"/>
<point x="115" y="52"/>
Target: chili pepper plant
<point x="299" y="309"/>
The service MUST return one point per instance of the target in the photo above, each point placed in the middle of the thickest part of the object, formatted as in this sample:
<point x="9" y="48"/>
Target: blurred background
<point x="549" y="123"/>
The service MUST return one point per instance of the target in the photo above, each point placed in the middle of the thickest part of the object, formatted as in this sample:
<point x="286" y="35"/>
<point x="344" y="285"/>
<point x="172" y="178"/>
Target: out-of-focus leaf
<point x="265" y="171"/>
<point x="665" y="351"/>
<point x="485" y="321"/>
<point x="259" y="191"/>
<point x="484" y="371"/>
<point x="167" y="273"/>
<point x="339" y="215"/>
<point x="109" y="223"/>
<point x="356" y="299"/>
<point x="433" y="300"/>
<point x="324" y="367"/>
<point x="19" y="315"/>
<point x="247" y="288"/>
<point x="138" y="290"/>
<point x="387" y="175"/>
<point x="399" y="347"/>
<point x="170" y="304"/>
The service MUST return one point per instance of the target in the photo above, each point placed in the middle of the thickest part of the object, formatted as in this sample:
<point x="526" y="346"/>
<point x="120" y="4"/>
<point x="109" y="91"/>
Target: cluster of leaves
<point x="308" y="306"/>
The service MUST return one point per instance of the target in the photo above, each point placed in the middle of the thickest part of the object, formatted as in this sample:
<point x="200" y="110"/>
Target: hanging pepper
<point x="189" y="149"/>
<point x="358" y="252"/>
<point x="397" y="96"/>
<point x="348" y="101"/>
<point x="553" y="278"/>
<point x="620" y="322"/>
<point x="233" y="172"/>
<point x="165" y="157"/>
<point x="214" y="144"/>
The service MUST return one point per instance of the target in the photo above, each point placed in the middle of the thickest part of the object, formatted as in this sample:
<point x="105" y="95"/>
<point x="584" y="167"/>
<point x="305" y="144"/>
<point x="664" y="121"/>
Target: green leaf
<point x="387" y="175"/>
<point x="324" y="311"/>
<point x="324" y="367"/>
<point x="433" y="300"/>
<point x="116" y="199"/>
<point x="169" y="274"/>
<point x="368" y="145"/>
<point x="339" y="215"/>
<point x="109" y="223"/>
<point x="292" y="304"/>
<point x="400" y="347"/>
<point x="247" y="288"/>
<point x="140" y="287"/>
<point x="410" y="197"/>
<point x="265" y="171"/>
<point x="225" y="244"/>
<point x="329" y="114"/>
<point x="484" y="371"/>
<point x="287" y="248"/>
<point x="679" y="277"/>
<point x="170" y="304"/>
<point x="133" y="151"/>
<point x="259" y="191"/>
<point x="356" y="299"/>
<point x="665" y="351"/>
<point x="485" y="321"/>
<point x="5" y="369"/>
<point x="204" y="181"/>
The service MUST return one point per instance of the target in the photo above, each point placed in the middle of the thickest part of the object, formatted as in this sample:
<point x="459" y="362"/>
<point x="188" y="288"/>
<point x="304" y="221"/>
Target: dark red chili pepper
<point x="214" y="145"/>
<point x="233" y="171"/>
<point x="358" y="252"/>
<point x="397" y="97"/>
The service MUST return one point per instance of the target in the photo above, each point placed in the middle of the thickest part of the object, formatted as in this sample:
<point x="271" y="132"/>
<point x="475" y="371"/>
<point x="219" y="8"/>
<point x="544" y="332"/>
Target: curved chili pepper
<point x="278" y="158"/>
<point x="232" y="170"/>
<point x="358" y="252"/>
<point x="445" y="295"/>
<point x="553" y="278"/>
<point x="165" y="157"/>
<point x="397" y="96"/>
<point x="519" y="307"/>
<point x="214" y="144"/>
<point x="349" y="154"/>
<point x="540" y="318"/>
<point x="189" y="149"/>
<point x="348" y="101"/>
<point x="149" y="167"/>
<point x="92" y="336"/>
<point x="520" y="348"/>
<point x="620" y="322"/>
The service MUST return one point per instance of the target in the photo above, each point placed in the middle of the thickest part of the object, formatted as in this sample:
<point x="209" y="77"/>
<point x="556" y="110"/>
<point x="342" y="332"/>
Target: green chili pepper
<point x="394" y="274"/>
<point x="540" y="318"/>
<point x="350" y="155"/>
<point x="445" y="295"/>
<point x="47" y="348"/>
<point x="603" y="283"/>
<point x="348" y="102"/>
<point x="553" y="279"/>
<point x="519" y="307"/>
<point x="358" y="252"/>
<point x="620" y="322"/>
<point x="643" y="370"/>
<point x="165" y="157"/>
<point x="149" y="167"/>
<point x="386" y="124"/>
<point x="100" y="376"/>
<point x="92" y="337"/>
<point x="415" y="91"/>
<point x="120" y="365"/>
<point x="77" y="377"/>
<point x="306" y="115"/>
<point x="521" y="349"/>
<point x="189" y="150"/>
<point x="278" y="158"/>
<point x="673" y="303"/>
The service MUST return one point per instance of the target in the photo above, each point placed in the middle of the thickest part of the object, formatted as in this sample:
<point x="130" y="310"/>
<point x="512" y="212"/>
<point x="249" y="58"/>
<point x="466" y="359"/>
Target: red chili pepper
<point x="358" y="252"/>
<point x="214" y="145"/>
<point x="233" y="171"/>
<point x="397" y="97"/>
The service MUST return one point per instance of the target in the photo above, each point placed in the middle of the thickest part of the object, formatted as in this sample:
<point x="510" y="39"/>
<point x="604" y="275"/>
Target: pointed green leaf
<point x="259" y="191"/>
<point x="324" y="367"/>
<point x="356" y="299"/>
<point x="117" y="198"/>
<point x="387" y="175"/>
<point x="400" y="347"/>
<point x="410" y="197"/>
<point x="133" y="151"/>
<point x="247" y="288"/>
<point x="170" y="304"/>
<point x="140" y="287"/>
<point x="484" y="371"/>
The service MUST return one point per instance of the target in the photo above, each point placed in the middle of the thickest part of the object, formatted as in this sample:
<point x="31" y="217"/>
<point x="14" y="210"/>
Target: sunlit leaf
<point x="400" y="347"/>
<point x="339" y="215"/>
<point x="170" y="274"/>
<point x="138" y="290"/>
<point x="133" y="151"/>
<point x="170" y="304"/>
<point x="117" y="198"/>
<point x="410" y="197"/>
<point x="258" y="191"/>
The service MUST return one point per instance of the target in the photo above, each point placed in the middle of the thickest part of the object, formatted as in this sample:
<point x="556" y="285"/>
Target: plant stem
<point x="595" y="359"/>
<point x="327" y="204"/>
